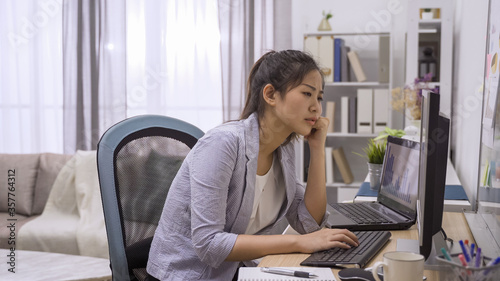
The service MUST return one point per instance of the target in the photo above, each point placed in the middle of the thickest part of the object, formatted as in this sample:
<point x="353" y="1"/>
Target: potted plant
<point x="408" y="100"/>
<point x="324" y="25"/>
<point x="375" y="152"/>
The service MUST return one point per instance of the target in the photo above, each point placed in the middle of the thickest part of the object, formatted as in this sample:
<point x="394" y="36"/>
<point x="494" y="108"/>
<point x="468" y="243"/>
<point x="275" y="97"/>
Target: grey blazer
<point x="210" y="202"/>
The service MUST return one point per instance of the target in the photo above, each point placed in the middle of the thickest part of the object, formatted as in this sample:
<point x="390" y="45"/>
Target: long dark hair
<point x="284" y="70"/>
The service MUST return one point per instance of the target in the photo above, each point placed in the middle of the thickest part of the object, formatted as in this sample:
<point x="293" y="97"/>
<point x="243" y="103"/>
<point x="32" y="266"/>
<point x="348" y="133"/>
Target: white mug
<point x="400" y="266"/>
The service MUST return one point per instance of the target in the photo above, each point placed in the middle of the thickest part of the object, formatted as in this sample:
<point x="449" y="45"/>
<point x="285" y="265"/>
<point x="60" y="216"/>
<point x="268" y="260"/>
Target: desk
<point x="454" y="224"/>
<point x="38" y="266"/>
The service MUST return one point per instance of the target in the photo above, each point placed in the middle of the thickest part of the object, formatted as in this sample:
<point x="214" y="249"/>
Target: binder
<point x="321" y="49"/>
<point x="365" y="111"/>
<point x="329" y="164"/>
<point x="384" y="64"/>
<point x="326" y="58"/>
<point x="337" y="71"/>
<point x="345" y="68"/>
<point x="343" y="165"/>
<point x="356" y="66"/>
<point x="380" y="109"/>
<point x="344" y="114"/>
<point x="352" y="114"/>
<point x="330" y="114"/>
<point x="311" y="46"/>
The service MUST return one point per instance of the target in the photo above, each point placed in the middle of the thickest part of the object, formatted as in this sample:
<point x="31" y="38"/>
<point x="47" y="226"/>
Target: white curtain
<point x="31" y="76"/>
<point x="71" y="69"/>
<point x="93" y="70"/>
<point x="173" y="60"/>
<point x="249" y="29"/>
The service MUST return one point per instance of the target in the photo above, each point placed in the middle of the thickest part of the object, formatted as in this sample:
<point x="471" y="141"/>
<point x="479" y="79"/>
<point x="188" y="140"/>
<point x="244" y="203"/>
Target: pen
<point x="472" y="247"/>
<point x="464" y="251"/>
<point x="447" y="257"/>
<point x="445" y="254"/>
<point x="461" y="257"/>
<point x="491" y="263"/>
<point x="289" y="272"/>
<point x="478" y="257"/>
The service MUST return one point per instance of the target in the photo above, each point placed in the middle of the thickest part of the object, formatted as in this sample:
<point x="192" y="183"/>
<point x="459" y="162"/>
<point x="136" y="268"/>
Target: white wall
<point x="469" y="58"/>
<point x="469" y="52"/>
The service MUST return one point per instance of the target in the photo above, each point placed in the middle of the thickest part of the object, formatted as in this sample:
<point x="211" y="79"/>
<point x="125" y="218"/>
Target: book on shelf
<point x="364" y="111"/>
<point x="329" y="164"/>
<point x="383" y="56"/>
<point x="352" y="114"/>
<point x="344" y="114"/>
<point x="307" y="156"/>
<point x="356" y="66"/>
<point x="345" y="68"/>
<point x="380" y="109"/>
<point x="330" y="114"/>
<point x="321" y="49"/>
<point x="339" y="44"/>
<point x="343" y="165"/>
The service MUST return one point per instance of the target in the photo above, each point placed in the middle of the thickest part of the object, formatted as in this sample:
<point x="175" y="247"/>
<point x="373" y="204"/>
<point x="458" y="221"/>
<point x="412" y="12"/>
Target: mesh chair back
<point x="137" y="160"/>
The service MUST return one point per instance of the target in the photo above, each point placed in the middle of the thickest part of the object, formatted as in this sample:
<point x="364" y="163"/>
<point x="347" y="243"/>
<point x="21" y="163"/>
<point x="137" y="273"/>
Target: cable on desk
<point x="446" y="238"/>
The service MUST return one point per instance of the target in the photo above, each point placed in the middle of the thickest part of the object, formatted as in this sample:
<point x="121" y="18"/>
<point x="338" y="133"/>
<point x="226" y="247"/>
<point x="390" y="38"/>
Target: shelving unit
<point x="350" y="142"/>
<point x="435" y="33"/>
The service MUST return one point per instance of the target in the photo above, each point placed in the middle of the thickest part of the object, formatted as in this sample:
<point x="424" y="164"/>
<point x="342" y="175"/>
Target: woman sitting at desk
<point x="239" y="180"/>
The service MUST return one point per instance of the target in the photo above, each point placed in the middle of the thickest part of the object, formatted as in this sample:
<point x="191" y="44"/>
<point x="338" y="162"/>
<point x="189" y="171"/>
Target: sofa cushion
<point x="7" y="232"/>
<point x="50" y="165"/>
<point x="26" y="168"/>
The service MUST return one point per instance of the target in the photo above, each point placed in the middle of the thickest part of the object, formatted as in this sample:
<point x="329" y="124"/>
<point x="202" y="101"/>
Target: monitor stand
<point x="438" y="242"/>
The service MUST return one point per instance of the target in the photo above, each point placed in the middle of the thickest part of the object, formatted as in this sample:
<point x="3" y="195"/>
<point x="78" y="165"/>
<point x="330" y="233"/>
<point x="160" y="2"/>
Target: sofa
<point x="51" y="202"/>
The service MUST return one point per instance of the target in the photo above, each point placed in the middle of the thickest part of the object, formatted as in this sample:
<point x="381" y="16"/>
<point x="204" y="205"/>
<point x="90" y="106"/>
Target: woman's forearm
<point x="249" y="247"/>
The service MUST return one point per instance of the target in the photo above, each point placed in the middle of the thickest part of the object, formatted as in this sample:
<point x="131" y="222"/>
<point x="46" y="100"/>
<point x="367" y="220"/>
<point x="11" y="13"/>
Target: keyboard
<point x="370" y="243"/>
<point x="361" y="214"/>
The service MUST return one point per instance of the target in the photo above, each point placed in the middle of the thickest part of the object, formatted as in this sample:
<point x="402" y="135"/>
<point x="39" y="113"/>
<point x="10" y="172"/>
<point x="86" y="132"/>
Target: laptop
<point x="396" y="205"/>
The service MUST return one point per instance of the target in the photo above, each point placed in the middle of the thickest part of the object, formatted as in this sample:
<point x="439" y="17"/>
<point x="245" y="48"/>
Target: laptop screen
<point x="399" y="182"/>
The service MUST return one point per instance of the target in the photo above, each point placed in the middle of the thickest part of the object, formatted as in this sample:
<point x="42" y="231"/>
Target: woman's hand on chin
<point x="317" y="136"/>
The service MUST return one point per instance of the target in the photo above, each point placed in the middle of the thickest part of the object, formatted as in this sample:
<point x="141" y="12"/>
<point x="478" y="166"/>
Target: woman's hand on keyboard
<point x="326" y="239"/>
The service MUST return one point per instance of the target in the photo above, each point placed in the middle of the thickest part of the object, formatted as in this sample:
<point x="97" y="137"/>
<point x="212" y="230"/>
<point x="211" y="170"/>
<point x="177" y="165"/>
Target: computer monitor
<point x="434" y="137"/>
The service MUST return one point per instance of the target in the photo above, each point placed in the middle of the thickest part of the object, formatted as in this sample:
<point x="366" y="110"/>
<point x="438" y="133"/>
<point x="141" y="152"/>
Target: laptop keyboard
<point x="360" y="213"/>
<point x="370" y="242"/>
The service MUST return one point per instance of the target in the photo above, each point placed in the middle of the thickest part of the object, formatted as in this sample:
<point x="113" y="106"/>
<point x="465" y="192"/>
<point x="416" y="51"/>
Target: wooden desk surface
<point x="454" y="224"/>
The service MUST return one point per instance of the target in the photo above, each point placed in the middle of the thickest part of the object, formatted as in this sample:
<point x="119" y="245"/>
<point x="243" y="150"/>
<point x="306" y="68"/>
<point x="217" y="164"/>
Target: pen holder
<point x="454" y="270"/>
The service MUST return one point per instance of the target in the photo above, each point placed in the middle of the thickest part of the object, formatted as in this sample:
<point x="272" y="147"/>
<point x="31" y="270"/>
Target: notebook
<point x="396" y="205"/>
<point x="370" y="243"/>
<point x="255" y="274"/>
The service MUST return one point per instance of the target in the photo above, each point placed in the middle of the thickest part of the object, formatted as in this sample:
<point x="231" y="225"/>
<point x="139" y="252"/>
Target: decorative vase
<point x="375" y="173"/>
<point x="324" y="25"/>
<point x="412" y="132"/>
<point x="427" y="15"/>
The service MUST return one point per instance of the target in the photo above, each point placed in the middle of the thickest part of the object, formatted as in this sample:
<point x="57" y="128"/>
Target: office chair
<point x="137" y="159"/>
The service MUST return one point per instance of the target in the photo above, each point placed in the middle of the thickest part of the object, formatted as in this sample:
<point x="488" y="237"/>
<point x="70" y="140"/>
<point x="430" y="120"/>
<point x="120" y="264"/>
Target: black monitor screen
<point x="434" y="136"/>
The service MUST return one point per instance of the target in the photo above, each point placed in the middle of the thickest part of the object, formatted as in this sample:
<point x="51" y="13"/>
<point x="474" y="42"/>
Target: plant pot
<point x="324" y="25"/>
<point x="412" y="132"/>
<point x="375" y="173"/>
<point x="427" y="15"/>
